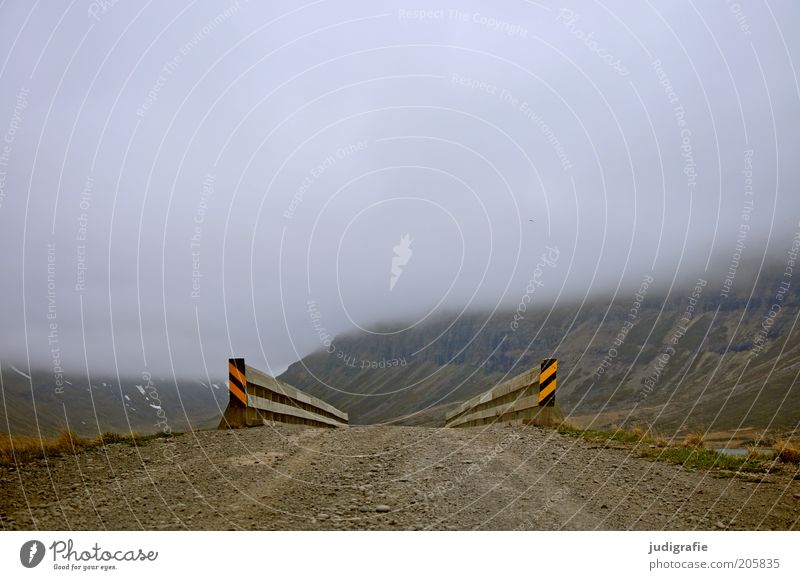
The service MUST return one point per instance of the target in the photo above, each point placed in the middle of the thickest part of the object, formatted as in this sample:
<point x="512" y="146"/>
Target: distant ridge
<point x="690" y="373"/>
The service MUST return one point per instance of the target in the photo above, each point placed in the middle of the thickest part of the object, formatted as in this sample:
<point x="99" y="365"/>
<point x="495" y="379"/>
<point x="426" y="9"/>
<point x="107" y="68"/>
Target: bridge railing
<point x="528" y="398"/>
<point x="257" y="398"/>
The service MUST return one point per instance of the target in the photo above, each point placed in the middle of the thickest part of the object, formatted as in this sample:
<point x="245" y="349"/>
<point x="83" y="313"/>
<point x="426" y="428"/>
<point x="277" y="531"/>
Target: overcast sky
<point x="179" y="181"/>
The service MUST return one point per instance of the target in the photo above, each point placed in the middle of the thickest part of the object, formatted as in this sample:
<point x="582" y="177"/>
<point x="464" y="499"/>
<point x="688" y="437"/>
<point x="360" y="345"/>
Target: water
<point x="732" y="451"/>
<point x="743" y="451"/>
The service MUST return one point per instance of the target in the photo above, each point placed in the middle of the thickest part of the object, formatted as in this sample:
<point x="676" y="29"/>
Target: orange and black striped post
<point x="547" y="382"/>
<point x="237" y="381"/>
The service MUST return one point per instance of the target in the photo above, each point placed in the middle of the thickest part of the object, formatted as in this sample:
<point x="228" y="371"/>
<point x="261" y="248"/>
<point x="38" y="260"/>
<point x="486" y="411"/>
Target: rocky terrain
<point x="299" y="478"/>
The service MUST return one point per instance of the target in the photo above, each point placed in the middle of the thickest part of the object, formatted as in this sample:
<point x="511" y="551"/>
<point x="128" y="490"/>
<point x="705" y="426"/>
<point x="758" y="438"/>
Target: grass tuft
<point x="786" y="452"/>
<point x="694" y="441"/>
<point x="68" y="442"/>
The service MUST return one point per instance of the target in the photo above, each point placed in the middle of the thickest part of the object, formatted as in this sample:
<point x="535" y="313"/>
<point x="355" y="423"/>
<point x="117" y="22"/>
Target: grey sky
<point x="295" y="145"/>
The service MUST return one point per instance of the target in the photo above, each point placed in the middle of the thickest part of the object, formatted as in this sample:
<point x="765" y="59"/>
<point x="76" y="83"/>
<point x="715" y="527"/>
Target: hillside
<point x="733" y="363"/>
<point x="696" y="358"/>
<point x="143" y="404"/>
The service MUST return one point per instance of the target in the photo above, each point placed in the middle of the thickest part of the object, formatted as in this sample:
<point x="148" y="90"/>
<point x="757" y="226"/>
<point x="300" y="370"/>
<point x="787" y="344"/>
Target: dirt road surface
<point x="292" y="477"/>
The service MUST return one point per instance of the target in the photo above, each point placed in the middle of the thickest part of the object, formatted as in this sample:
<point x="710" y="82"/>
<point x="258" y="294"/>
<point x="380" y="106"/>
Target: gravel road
<point x="300" y="478"/>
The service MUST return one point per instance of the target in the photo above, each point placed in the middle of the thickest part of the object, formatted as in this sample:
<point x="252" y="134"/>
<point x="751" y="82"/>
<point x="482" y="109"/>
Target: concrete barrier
<point x="257" y="399"/>
<point x="519" y="400"/>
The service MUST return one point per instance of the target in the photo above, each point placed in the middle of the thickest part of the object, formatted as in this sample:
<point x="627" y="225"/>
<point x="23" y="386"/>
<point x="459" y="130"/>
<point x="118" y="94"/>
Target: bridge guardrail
<point x="528" y="398"/>
<point x="257" y="398"/>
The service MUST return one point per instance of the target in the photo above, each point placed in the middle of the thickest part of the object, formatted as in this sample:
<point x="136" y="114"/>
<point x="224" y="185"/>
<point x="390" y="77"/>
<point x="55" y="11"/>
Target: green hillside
<point x="679" y="373"/>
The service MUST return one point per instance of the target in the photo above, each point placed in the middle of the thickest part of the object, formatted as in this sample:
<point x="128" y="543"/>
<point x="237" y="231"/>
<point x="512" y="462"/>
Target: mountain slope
<point x="696" y="358"/>
<point x="145" y="404"/>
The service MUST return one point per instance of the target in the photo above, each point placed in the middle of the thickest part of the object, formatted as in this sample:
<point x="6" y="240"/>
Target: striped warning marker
<point x="547" y="382"/>
<point x="237" y="381"/>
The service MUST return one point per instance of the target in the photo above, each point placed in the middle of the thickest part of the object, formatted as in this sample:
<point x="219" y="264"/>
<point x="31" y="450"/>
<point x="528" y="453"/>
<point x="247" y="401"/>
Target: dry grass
<point x="695" y="441"/>
<point x="786" y="452"/>
<point x="17" y="450"/>
<point x="755" y="452"/>
<point x="23" y="449"/>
